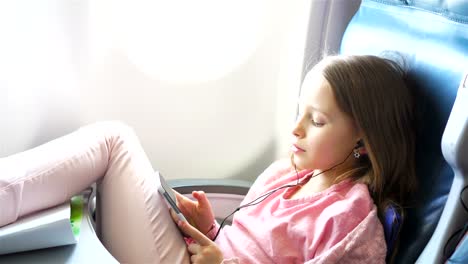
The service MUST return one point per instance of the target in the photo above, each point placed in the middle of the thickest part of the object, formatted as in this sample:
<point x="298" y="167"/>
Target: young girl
<point x="352" y="156"/>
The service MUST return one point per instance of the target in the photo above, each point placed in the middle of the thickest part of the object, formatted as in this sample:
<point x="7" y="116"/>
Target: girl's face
<point x="323" y="135"/>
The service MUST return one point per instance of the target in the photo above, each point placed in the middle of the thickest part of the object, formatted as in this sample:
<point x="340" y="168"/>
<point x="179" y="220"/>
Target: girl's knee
<point x="112" y="132"/>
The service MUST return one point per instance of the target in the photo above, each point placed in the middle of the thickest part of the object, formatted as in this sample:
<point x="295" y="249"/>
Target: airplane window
<point x="183" y="40"/>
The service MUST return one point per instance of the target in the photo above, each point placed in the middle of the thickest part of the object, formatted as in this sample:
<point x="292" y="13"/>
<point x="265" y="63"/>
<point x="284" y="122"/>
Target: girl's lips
<point x="296" y="149"/>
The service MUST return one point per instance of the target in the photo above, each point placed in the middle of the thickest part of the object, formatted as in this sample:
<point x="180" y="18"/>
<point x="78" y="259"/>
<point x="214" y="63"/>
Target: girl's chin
<point x="299" y="163"/>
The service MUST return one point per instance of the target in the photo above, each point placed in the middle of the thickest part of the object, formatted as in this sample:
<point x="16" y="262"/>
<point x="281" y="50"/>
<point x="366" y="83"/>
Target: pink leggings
<point x="135" y="223"/>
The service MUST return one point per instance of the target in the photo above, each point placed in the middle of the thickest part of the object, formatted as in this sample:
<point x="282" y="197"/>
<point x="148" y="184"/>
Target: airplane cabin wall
<point x="201" y="111"/>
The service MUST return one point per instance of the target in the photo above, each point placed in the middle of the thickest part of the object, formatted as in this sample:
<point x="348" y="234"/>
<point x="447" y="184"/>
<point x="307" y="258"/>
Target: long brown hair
<point x="372" y="90"/>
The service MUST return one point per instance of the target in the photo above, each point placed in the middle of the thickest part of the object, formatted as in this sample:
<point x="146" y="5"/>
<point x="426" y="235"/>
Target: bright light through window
<point x="186" y="40"/>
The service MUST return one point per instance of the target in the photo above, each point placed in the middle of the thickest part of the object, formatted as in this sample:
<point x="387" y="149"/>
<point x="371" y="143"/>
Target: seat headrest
<point x="433" y="36"/>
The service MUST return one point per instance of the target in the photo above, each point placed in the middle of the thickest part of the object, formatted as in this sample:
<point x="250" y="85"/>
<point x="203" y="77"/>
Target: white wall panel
<point x="210" y="98"/>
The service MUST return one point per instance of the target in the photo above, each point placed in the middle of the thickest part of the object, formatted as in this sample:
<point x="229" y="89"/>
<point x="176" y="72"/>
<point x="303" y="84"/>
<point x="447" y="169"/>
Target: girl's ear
<point x="359" y="140"/>
<point x="359" y="143"/>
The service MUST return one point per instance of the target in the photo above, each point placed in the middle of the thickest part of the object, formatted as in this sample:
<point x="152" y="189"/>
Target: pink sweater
<point x="338" y="224"/>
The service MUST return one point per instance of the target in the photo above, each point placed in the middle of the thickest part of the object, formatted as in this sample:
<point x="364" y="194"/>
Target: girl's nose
<point x="298" y="131"/>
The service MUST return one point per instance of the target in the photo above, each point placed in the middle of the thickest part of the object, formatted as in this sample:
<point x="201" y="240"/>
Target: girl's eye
<point x="317" y="124"/>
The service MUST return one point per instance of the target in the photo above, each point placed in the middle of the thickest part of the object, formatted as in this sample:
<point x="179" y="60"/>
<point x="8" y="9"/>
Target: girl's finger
<point x="181" y="199"/>
<point x="201" y="198"/>
<point x="174" y="216"/>
<point x="191" y="231"/>
<point x="194" y="248"/>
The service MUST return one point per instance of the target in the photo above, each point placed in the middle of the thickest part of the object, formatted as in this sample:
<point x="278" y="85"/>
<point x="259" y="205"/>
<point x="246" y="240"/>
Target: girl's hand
<point x="199" y="212"/>
<point x="204" y="251"/>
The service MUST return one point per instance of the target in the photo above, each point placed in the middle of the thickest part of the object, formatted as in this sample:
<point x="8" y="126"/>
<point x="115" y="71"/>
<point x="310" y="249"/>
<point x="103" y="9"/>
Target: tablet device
<point x="169" y="195"/>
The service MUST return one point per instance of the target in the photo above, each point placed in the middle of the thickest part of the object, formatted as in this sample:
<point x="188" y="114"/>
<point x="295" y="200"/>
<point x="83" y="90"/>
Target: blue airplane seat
<point x="432" y="36"/>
